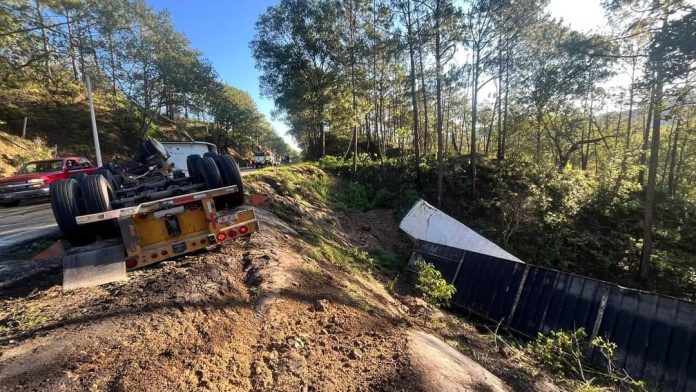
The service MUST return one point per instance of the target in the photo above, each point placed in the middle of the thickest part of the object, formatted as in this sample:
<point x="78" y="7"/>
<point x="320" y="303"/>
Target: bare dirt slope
<point x="266" y="314"/>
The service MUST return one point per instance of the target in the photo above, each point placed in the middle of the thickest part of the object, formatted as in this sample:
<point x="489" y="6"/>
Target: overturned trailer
<point x="655" y="334"/>
<point x="152" y="210"/>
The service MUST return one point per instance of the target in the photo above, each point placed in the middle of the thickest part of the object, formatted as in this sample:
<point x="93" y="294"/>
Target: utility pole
<point x="24" y="128"/>
<point x="94" y="121"/>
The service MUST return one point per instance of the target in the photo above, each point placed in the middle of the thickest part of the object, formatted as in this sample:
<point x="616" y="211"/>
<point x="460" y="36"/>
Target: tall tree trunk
<point x="673" y="159"/>
<point x="473" y="161"/>
<point x="44" y="39"/>
<point x="322" y="136"/>
<point x="629" y="123"/>
<point x="414" y="98"/>
<point x="648" y="216"/>
<point x="500" y="106"/>
<point x="584" y="153"/>
<point x="352" y="86"/>
<point x="496" y="106"/>
<point x="93" y="48"/>
<point x="646" y="137"/>
<point x="503" y="142"/>
<point x="424" y="89"/>
<point x="539" y="126"/>
<point x="438" y="90"/>
<point x="677" y="175"/>
<point x="73" y="61"/>
<point x="112" y="61"/>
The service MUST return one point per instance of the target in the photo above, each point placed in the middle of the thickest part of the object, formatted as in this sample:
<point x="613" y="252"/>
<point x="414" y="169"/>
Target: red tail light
<point x="221" y="237"/>
<point x="131" y="263"/>
<point x="243" y="230"/>
<point x="232" y="233"/>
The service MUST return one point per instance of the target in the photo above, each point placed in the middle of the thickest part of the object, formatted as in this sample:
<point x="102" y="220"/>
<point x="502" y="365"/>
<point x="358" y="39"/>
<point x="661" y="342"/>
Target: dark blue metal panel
<point x="655" y="335"/>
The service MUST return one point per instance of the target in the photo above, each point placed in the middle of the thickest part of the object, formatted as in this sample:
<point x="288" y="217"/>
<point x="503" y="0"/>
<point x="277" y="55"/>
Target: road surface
<point x="26" y="222"/>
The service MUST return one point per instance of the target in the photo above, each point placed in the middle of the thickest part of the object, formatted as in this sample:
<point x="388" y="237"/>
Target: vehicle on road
<point x="155" y="210"/>
<point x="33" y="179"/>
<point x="265" y="159"/>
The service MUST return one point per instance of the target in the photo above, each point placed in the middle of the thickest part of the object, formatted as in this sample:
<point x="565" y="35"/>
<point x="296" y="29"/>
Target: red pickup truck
<point x="32" y="180"/>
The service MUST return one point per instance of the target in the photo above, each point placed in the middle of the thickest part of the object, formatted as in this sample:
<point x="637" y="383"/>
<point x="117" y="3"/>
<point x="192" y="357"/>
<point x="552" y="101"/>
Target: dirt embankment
<point x="266" y="314"/>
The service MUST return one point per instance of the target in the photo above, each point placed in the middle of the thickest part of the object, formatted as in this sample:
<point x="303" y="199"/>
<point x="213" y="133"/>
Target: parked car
<point x="33" y="179"/>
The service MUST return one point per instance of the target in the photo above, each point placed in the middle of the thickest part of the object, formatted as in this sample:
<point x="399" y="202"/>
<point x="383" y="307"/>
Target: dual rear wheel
<point x="217" y="171"/>
<point x="93" y="194"/>
<point x="81" y="196"/>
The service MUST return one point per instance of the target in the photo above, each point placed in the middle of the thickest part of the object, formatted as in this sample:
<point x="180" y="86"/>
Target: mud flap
<point x="94" y="267"/>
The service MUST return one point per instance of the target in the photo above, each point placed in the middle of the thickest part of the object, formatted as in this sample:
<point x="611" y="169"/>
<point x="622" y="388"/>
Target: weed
<point x="313" y="270"/>
<point x="430" y="283"/>
<point x="564" y="354"/>
<point x="391" y="285"/>
<point x="386" y="259"/>
<point x="21" y="321"/>
<point x="452" y="343"/>
<point x="357" y="300"/>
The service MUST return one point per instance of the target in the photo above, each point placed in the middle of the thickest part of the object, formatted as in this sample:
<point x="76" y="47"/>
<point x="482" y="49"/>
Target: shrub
<point x="564" y="354"/>
<point x="430" y="283"/>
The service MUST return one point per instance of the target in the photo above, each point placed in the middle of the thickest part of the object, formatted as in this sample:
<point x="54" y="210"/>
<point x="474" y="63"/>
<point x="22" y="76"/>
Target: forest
<point x="147" y="77"/>
<point x="573" y="150"/>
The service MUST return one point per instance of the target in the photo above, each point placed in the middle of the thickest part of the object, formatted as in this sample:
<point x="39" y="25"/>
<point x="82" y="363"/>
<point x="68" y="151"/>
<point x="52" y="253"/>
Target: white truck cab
<point x="178" y="151"/>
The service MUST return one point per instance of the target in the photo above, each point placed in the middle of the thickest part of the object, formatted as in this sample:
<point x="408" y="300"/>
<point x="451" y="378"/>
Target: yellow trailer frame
<point x="162" y="229"/>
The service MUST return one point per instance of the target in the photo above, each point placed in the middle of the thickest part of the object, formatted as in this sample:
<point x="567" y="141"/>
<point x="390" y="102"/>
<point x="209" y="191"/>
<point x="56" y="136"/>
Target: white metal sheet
<point x="427" y="223"/>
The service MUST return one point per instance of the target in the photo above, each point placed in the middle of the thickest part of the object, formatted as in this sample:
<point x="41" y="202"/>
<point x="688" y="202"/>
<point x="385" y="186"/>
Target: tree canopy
<point x="428" y="82"/>
<point x="131" y="53"/>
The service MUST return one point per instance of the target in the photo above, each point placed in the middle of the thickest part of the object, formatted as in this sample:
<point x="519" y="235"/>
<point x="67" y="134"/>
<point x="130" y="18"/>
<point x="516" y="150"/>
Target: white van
<point x="178" y="151"/>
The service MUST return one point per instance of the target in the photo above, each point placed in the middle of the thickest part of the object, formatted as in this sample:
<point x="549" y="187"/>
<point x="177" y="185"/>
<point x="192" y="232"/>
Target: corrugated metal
<point x="655" y="334"/>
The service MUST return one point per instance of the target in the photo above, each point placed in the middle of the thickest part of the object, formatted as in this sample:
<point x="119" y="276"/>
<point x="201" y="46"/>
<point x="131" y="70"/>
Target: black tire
<point x="109" y="177"/>
<point x="210" y="154"/>
<point x="79" y="178"/>
<point x="192" y="166"/>
<point x="98" y="194"/>
<point x="151" y="148"/>
<point x="7" y="204"/>
<point x="209" y="173"/>
<point x="231" y="176"/>
<point x="66" y="203"/>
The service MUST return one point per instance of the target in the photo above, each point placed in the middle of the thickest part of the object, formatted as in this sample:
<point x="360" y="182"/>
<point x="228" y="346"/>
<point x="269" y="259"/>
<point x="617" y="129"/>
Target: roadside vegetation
<point x="303" y="195"/>
<point x="564" y="220"/>
<point x="573" y="150"/>
<point x="17" y="151"/>
<point x="147" y="79"/>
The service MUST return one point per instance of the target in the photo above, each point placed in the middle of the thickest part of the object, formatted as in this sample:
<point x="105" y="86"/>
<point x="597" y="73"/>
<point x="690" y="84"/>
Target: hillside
<point x="60" y="117"/>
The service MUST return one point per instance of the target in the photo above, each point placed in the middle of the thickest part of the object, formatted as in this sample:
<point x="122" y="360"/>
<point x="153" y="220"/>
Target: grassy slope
<point x="60" y="117"/>
<point x="321" y="207"/>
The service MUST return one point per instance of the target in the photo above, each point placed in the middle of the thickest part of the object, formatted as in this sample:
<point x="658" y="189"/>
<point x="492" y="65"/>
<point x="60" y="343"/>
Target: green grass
<point x="386" y="259"/>
<point x="13" y="322"/>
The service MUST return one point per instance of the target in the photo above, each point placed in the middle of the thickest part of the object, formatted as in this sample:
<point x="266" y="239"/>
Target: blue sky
<point x="222" y="30"/>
